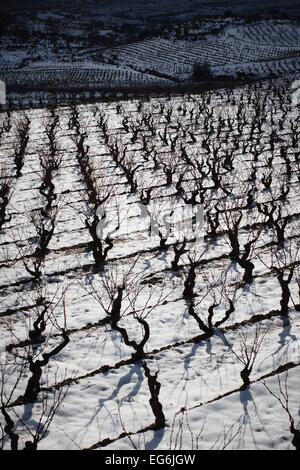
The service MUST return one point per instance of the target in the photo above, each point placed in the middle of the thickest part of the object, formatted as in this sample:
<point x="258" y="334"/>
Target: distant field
<point x="175" y="59"/>
<point x="279" y="32"/>
<point x="49" y="78"/>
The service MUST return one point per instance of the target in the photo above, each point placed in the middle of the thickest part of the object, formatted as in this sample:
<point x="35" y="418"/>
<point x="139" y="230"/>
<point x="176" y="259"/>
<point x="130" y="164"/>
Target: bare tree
<point x="250" y="340"/>
<point x="156" y="406"/>
<point x="34" y="351"/>
<point x="213" y="294"/>
<point x="127" y="294"/>
<point x="283" y="262"/>
<point x="282" y="396"/>
<point x="6" y="191"/>
<point x="23" y="126"/>
<point x="232" y="219"/>
<point x="44" y="225"/>
<point x="17" y="430"/>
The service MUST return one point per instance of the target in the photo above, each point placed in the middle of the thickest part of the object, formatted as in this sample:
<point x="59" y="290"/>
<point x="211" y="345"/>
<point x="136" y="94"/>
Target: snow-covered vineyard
<point x="262" y="49"/>
<point x="121" y="326"/>
<point x="225" y="55"/>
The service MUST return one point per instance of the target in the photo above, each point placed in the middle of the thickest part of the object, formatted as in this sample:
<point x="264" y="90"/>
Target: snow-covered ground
<point x="196" y="374"/>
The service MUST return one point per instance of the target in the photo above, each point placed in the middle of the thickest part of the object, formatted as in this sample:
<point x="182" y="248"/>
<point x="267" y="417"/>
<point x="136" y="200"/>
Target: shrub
<point x="202" y="71"/>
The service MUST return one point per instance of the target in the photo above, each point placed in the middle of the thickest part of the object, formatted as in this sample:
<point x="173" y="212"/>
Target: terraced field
<point x="127" y="320"/>
<point x="175" y="59"/>
<point x="56" y="78"/>
<point x="271" y="32"/>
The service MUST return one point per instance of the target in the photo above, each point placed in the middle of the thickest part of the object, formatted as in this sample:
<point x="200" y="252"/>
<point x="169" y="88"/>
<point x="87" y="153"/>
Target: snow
<point x="108" y="391"/>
